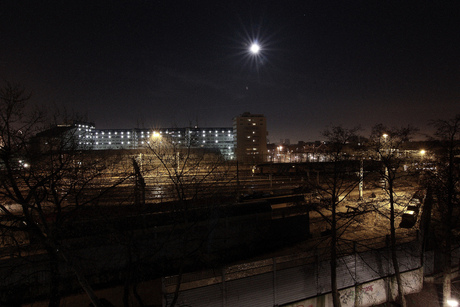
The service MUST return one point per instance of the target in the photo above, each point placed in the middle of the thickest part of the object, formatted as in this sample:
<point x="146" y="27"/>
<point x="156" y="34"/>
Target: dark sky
<point x="148" y="63"/>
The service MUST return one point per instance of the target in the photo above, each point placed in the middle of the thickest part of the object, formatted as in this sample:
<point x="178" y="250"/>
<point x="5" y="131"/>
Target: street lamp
<point x="156" y="135"/>
<point x="452" y="303"/>
<point x="279" y="153"/>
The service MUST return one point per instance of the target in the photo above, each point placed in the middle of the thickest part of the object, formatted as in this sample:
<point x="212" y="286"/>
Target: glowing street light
<point x="156" y="135"/>
<point x="452" y="303"/>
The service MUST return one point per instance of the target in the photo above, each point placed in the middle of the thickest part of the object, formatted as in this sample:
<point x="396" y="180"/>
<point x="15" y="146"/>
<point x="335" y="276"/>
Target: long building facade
<point x="214" y="138"/>
<point x="246" y="141"/>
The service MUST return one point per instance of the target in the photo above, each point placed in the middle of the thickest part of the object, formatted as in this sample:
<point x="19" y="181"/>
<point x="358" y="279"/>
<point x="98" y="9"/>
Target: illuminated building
<point x="247" y="139"/>
<point x="85" y="136"/>
<point x="250" y="137"/>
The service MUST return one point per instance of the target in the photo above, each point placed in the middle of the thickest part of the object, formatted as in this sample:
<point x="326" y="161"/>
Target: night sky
<point x="127" y="64"/>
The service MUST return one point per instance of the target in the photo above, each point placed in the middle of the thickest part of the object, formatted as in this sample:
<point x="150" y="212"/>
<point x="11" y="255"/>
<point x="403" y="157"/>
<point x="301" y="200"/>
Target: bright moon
<point x="255" y="48"/>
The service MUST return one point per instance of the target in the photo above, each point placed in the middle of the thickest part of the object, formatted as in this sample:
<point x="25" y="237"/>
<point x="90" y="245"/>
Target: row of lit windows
<point x="115" y="132"/>
<point x="122" y="136"/>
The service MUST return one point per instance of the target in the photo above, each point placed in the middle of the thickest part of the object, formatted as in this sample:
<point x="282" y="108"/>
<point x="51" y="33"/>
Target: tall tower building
<point x="250" y="132"/>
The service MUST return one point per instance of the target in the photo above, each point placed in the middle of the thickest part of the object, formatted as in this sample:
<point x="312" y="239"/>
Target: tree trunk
<point x="335" y="291"/>
<point x="394" y="257"/>
<point x="446" y="287"/>
<point x="82" y="281"/>
<point x="448" y="226"/>
<point x="55" y="297"/>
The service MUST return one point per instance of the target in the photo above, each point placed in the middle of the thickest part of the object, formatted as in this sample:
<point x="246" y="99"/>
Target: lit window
<point x="204" y="141"/>
<point x="217" y="141"/>
<point x="129" y="143"/>
<point x="121" y="132"/>
<point x="110" y="143"/>
<point x="97" y="143"/>
<point x="116" y="132"/>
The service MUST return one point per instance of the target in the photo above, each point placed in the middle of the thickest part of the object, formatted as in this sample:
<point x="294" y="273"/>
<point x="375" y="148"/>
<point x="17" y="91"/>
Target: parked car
<point x="409" y="216"/>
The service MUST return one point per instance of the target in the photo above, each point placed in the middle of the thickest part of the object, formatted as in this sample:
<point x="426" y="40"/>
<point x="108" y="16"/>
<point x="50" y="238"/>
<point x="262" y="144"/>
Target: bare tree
<point x="44" y="180"/>
<point x="194" y="182"/>
<point x="387" y="143"/>
<point x="338" y="180"/>
<point x="445" y="184"/>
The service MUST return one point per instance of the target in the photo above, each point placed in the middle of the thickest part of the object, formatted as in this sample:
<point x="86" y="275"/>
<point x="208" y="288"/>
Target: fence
<point x="282" y="280"/>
